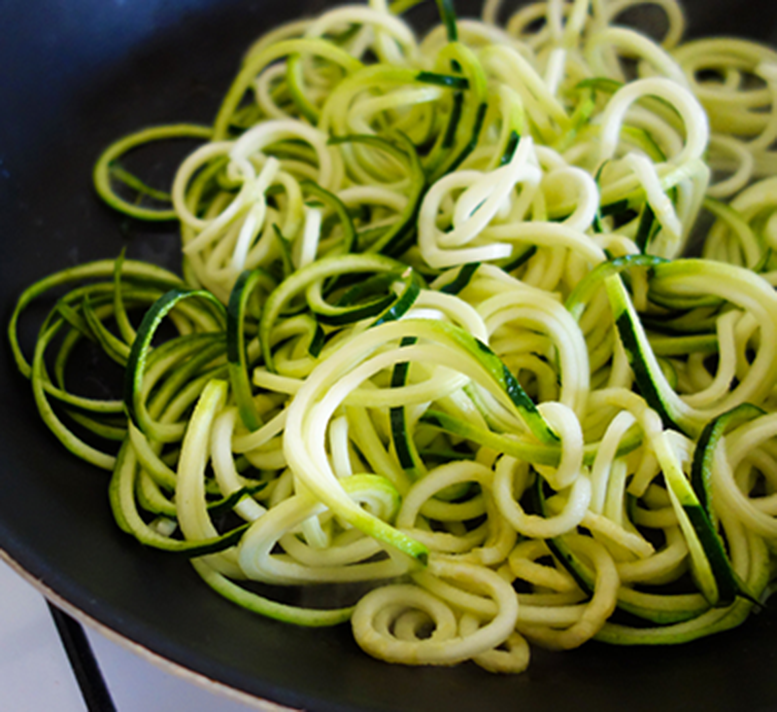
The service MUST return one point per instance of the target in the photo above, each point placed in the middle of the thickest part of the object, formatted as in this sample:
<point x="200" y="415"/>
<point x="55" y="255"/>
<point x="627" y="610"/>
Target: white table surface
<point x="36" y="676"/>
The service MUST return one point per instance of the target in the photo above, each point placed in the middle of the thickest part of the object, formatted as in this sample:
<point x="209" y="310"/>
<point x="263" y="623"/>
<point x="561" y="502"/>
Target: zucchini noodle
<point x="451" y="333"/>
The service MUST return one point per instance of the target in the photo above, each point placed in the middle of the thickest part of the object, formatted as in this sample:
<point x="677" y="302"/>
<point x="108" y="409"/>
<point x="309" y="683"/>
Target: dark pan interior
<point x="75" y="75"/>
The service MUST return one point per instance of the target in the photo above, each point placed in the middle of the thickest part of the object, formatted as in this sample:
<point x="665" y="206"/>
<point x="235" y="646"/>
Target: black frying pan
<point x="74" y="76"/>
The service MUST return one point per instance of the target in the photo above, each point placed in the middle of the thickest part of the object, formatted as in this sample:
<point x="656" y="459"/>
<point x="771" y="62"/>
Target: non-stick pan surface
<point x="75" y="75"/>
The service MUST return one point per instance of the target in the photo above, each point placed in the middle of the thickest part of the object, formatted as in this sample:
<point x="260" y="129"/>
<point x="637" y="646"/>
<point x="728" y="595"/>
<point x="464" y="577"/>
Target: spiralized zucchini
<point x="481" y="324"/>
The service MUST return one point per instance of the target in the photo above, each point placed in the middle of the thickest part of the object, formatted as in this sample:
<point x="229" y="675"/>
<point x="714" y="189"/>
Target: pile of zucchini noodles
<point x="437" y="338"/>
